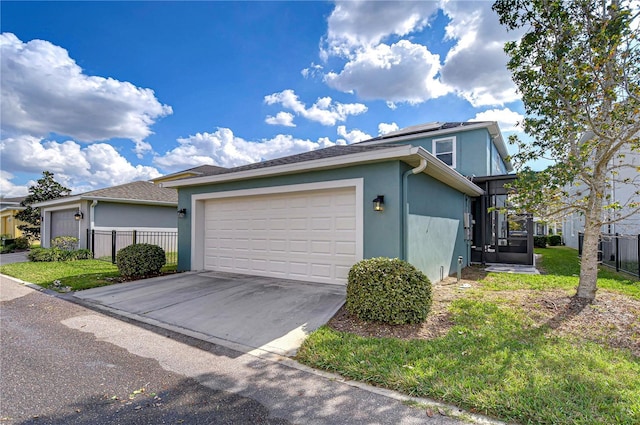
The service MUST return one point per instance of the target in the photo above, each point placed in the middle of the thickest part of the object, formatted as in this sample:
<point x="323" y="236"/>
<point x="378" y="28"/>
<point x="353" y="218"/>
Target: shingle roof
<point x="140" y="191"/>
<point x="329" y="152"/>
<point x="425" y="128"/>
<point x="12" y="200"/>
<point x="201" y="170"/>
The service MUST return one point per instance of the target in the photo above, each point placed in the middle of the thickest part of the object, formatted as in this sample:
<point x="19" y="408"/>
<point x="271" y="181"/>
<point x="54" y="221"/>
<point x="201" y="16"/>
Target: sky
<point x="106" y="93"/>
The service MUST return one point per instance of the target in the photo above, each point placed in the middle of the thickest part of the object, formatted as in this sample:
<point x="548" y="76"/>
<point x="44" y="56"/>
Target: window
<point x="445" y="150"/>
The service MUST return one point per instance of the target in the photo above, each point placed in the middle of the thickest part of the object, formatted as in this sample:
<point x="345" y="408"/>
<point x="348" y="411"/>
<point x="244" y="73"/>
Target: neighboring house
<point x="311" y="216"/>
<point x="139" y="206"/>
<point x="9" y="207"/>
<point x="625" y="186"/>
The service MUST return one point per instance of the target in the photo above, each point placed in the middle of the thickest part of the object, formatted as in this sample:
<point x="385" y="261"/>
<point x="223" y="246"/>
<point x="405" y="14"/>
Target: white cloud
<point x="383" y="60"/>
<point x="352" y="136"/>
<point x="354" y="24"/>
<point x="77" y="167"/>
<point x="8" y="189"/>
<point x="384" y="128"/>
<point x="507" y="119"/>
<point x="476" y="67"/>
<point x="44" y="91"/>
<point x="224" y="149"/>
<point x="325" y="110"/>
<point x="281" y="118"/>
<point x="313" y="71"/>
<point x="402" y="72"/>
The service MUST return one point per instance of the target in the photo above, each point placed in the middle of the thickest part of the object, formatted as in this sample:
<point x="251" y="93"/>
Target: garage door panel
<point x="304" y="235"/>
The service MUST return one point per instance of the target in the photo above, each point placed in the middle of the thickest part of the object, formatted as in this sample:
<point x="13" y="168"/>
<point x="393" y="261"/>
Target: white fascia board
<point x="131" y="201"/>
<point x="57" y="201"/>
<point x="447" y="175"/>
<point x="75" y="199"/>
<point x="397" y="152"/>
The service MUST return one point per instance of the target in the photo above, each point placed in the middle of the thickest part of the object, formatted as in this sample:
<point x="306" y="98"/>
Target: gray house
<point x="138" y="206"/>
<point x="310" y="217"/>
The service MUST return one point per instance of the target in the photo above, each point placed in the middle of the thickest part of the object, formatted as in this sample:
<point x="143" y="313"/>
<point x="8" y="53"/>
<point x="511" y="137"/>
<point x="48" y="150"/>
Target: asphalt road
<point x="61" y="363"/>
<point x="52" y="374"/>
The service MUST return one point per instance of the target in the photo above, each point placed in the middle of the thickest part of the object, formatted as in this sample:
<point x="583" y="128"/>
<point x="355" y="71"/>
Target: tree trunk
<point x="589" y="264"/>
<point x="592" y="231"/>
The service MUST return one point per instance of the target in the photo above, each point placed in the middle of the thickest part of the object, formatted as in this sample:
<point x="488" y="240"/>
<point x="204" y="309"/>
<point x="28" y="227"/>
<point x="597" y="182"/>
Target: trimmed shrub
<point x="22" y="243"/>
<point x="7" y="249"/>
<point x="67" y="243"/>
<point x="389" y="291"/>
<point x="57" y="254"/>
<point x="540" y="241"/>
<point x="555" y="240"/>
<point x="140" y="260"/>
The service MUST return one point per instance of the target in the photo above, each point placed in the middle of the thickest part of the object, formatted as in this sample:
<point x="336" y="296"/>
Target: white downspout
<point x="92" y="222"/>
<point x="405" y="207"/>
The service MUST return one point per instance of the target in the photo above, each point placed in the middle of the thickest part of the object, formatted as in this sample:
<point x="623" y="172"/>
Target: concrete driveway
<point x="245" y="313"/>
<point x="14" y="257"/>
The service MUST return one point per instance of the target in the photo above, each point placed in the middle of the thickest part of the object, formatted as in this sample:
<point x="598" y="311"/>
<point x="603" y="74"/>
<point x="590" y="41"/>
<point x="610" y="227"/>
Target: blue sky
<point x="105" y="93"/>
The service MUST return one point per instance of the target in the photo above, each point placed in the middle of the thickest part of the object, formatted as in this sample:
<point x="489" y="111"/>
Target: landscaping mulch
<point x="612" y="319"/>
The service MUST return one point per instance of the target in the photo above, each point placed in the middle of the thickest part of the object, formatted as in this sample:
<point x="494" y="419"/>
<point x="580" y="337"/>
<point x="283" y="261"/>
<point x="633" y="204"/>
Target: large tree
<point x="46" y="188"/>
<point x="577" y="69"/>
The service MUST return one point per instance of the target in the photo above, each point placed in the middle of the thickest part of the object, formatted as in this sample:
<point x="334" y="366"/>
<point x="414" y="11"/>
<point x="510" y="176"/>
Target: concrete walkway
<point x="241" y="312"/>
<point x="14" y="257"/>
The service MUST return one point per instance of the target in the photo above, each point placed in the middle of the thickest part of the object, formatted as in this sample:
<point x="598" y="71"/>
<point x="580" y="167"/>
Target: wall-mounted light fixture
<point x="78" y="216"/>
<point x="378" y="203"/>
<point x="182" y="213"/>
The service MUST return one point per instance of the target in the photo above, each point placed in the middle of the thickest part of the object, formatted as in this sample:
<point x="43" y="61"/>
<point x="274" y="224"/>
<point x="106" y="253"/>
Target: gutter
<point x="405" y="206"/>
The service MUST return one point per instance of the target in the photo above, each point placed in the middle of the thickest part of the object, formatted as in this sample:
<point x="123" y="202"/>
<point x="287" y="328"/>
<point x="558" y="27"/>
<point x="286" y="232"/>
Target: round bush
<point x="555" y="240"/>
<point x="388" y="290"/>
<point x="22" y="243"/>
<point x="140" y="260"/>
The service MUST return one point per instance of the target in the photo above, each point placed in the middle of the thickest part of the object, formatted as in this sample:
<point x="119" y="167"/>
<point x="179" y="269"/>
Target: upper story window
<point x="445" y="150"/>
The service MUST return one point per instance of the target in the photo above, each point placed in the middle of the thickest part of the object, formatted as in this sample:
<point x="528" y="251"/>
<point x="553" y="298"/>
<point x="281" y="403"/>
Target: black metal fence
<point x="621" y="252"/>
<point x="105" y="244"/>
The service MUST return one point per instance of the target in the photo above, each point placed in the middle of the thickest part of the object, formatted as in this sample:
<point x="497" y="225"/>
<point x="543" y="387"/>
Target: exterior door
<point x="63" y="223"/>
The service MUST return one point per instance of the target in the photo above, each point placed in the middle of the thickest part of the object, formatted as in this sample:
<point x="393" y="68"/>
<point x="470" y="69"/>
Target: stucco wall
<point x="382" y="233"/>
<point x="435" y="227"/>
<point x="476" y="155"/>
<point x="111" y="216"/>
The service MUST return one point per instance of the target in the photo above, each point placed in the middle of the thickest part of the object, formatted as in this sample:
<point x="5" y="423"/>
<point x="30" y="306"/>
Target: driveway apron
<point x="239" y="311"/>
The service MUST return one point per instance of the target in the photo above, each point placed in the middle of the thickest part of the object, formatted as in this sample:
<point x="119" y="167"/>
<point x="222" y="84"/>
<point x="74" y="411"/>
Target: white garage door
<point x="307" y="236"/>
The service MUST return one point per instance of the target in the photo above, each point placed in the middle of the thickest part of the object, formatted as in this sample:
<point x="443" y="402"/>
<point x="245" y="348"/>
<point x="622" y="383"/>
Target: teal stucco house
<point x="410" y="194"/>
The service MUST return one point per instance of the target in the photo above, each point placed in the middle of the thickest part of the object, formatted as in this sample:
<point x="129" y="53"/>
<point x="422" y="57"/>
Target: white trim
<point x="434" y="149"/>
<point x="79" y="198"/>
<point x="198" y="201"/>
<point x="409" y="154"/>
<point x="447" y="175"/>
<point x="45" y="228"/>
<point x="142" y="229"/>
<point x="396" y="152"/>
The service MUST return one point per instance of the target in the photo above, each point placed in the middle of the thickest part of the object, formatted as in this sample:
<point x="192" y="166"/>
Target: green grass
<point x="562" y="269"/>
<point x="495" y="360"/>
<point x="80" y="274"/>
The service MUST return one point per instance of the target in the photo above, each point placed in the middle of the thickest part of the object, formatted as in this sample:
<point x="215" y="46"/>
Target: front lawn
<point x="511" y="346"/>
<point x="77" y="275"/>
